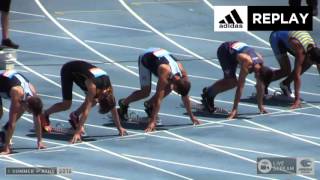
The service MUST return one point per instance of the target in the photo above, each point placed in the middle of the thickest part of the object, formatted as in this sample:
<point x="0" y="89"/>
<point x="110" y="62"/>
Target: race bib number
<point x="9" y="73"/>
<point x="97" y="72"/>
<point x="160" y="53"/>
<point x="238" y="46"/>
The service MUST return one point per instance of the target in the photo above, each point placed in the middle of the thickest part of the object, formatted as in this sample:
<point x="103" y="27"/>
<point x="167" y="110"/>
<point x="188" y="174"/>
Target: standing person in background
<point x="6" y="41"/>
<point x="312" y="3"/>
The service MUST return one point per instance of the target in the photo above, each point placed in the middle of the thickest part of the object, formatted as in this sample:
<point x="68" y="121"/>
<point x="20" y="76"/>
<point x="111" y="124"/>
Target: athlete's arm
<point x="91" y="87"/>
<point x="300" y="56"/>
<point x="183" y="71"/>
<point x="116" y="119"/>
<point x="244" y="59"/>
<point x="15" y="112"/>
<point x="159" y="95"/>
<point x="186" y="99"/>
<point x="187" y="103"/>
<point x="260" y="94"/>
<point x="37" y="123"/>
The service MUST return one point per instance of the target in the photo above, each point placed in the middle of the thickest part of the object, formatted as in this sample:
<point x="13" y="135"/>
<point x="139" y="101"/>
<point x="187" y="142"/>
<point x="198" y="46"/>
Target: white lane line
<point x="80" y="41"/>
<point x="136" y="161"/>
<point x="50" y="151"/>
<point x="129" y="47"/>
<point x="115" y="45"/>
<point x="54" y="143"/>
<point x="210" y="40"/>
<point x="56" y="97"/>
<point x="76" y="145"/>
<point x="210" y="126"/>
<point x="316" y="18"/>
<point x="57" y="56"/>
<point x="30" y="165"/>
<point x="303" y="92"/>
<point x="51" y="75"/>
<point x="196" y="166"/>
<point x="312" y="74"/>
<point x="283" y="133"/>
<point x="247" y="150"/>
<point x="115" y="129"/>
<point x="28" y="14"/>
<point x="306" y="136"/>
<point x="96" y="175"/>
<point x="40" y="34"/>
<point x="133" y="67"/>
<point x="222" y="151"/>
<point x="202" y="77"/>
<point x="105" y="25"/>
<point x="210" y="147"/>
<point x="284" y="114"/>
<point x="252" y="151"/>
<point x="245" y="127"/>
<point x="124" y="4"/>
<point x="6" y="160"/>
<point x="126" y="87"/>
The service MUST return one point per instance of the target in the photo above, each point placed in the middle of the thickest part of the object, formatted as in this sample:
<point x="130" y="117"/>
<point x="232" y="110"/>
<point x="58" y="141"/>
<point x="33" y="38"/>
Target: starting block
<point x="7" y="59"/>
<point x="61" y="129"/>
<point x="134" y="118"/>
<point x="200" y="108"/>
<point x="276" y="96"/>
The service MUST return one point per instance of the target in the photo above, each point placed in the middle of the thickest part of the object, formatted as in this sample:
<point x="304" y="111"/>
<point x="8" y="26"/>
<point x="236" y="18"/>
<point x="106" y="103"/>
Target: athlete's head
<point x="34" y="105"/>
<point x="265" y="74"/>
<point x="106" y="101"/>
<point x="182" y="85"/>
<point x="314" y="53"/>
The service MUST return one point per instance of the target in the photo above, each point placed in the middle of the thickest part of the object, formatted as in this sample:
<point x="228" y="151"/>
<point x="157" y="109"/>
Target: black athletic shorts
<point x="67" y="80"/>
<point x="5" y="5"/>
<point x="227" y="61"/>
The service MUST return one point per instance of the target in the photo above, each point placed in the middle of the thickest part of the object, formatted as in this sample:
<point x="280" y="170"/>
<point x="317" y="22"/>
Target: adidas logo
<point x="231" y="20"/>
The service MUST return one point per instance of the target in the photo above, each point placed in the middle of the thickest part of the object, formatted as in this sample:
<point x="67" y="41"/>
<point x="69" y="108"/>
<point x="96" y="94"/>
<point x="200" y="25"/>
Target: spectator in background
<point x="6" y="41"/>
<point x="313" y="3"/>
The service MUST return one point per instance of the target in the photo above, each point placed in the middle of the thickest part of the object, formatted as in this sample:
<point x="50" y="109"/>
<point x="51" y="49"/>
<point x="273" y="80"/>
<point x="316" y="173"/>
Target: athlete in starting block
<point x="172" y="76"/>
<point x="16" y="87"/>
<point x="98" y="89"/>
<point x="230" y="55"/>
<point x="302" y="46"/>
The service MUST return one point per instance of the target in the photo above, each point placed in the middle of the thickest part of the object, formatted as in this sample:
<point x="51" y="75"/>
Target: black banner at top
<point x="262" y="18"/>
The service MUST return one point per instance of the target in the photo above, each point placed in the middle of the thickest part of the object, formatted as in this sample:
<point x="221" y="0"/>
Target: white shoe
<point x="286" y="90"/>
